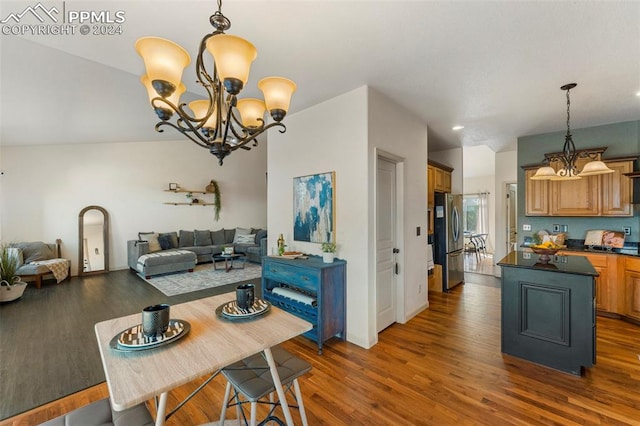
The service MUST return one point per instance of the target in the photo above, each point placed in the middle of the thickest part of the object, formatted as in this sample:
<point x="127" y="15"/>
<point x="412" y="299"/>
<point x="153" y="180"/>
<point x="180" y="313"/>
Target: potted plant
<point x="214" y="188"/>
<point x="11" y="287"/>
<point x="328" y="252"/>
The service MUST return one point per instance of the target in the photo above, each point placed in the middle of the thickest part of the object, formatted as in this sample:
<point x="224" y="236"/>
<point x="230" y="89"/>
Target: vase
<point x="13" y="292"/>
<point x="328" y="257"/>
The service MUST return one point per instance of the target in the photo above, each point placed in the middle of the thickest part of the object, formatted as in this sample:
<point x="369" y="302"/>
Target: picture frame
<point x="173" y="186"/>
<point x="314" y="208"/>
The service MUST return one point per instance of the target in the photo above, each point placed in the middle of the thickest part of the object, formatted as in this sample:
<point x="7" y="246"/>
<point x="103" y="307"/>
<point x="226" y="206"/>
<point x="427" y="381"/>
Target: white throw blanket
<point x="58" y="267"/>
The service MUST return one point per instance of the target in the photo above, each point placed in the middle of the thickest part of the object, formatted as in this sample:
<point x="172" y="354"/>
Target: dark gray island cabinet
<point x="548" y="310"/>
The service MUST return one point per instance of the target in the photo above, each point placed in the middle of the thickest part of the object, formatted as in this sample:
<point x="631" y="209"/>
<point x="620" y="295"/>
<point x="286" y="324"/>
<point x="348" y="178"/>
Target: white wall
<point x="45" y="187"/>
<point x="336" y="135"/>
<point x="397" y="131"/>
<point x="506" y="172"/>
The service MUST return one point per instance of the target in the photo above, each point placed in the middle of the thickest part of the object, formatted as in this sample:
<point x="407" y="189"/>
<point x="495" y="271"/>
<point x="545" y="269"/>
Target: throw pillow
<point x="243" y="231"/>
<point x="202" y="238"/>
<point x="217" y="237"/>
<point x="174" y="238"/>
<point x="186" y="239"/>
<point x="165" y="241"/>
<point x="244" y="239"/>
<point x="35" y="251"/>
<point x="152" y="239"/>
<point x="16" y="253"/>
<point x="228" y="235"/>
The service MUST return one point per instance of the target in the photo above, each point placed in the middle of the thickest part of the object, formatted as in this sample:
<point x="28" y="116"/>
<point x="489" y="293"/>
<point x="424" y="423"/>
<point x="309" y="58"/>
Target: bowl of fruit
<point x="546" y="249"/>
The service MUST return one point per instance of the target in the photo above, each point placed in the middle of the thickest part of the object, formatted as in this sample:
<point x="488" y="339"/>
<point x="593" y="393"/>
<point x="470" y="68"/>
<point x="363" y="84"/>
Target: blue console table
<point x="310" y="278"/>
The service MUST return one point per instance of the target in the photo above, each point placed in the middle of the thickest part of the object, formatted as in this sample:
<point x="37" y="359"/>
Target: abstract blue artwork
<point x="314" y="208"/>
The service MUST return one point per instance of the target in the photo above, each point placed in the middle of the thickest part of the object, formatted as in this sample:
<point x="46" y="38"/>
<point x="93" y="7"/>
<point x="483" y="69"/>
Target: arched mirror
<point x="93" y="243"/>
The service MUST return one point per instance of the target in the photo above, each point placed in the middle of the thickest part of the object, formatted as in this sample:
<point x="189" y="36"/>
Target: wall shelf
<point x="187" y="191"/>
<point x="190" y="204"/>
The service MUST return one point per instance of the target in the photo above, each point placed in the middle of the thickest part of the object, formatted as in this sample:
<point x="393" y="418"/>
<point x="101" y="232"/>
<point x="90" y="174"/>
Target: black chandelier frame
<point x="228" y="129"/>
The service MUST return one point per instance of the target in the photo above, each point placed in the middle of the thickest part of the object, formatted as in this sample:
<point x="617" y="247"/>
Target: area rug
<point x="204" y="276"/>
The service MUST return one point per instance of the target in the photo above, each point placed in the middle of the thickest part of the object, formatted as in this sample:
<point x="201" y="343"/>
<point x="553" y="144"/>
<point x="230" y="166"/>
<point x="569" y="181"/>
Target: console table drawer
<point x="301" y="277"/>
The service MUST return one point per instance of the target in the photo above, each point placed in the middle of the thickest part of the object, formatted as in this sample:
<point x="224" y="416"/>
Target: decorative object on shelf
<point x="281" y="245"/>
<point x="11" y="286"/>
<point x="569" y="155"/>
<point x="214" y="188"/>
<point x="314" y="208"/>
<point x="328" y="252"/>
<point x="221" y="123"/>
<point x="173" y="187"/>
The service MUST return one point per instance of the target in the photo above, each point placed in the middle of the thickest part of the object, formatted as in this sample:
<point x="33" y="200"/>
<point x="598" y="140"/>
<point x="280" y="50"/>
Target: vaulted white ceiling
<point x="494" y="67"/>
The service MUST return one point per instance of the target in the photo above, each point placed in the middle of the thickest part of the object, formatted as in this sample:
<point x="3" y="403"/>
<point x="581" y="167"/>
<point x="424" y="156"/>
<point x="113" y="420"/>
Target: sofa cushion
<point x="217" y="237"/>
<point x="202" y="238"/>
<point x="200" y="250"/>
<point x="244" y="239"/>
<point x="186" y="239"/>
<point x="260" y="235"/>
<point x="228" y="235"/>
<point x="34" y="251"/>
<point x="174" y="238"/>
<point x="241" y="248"/>
<point x="152" y="239"/>
<point x="165" y="242"/>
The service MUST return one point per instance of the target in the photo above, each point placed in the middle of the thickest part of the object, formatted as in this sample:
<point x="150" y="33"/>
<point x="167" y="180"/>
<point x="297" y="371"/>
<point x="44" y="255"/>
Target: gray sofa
<point x="158" y="253"/>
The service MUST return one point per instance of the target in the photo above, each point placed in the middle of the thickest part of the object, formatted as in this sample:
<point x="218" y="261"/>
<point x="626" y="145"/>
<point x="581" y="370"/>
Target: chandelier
<point x="221" y="123"/>
<point x="567" y="158"/>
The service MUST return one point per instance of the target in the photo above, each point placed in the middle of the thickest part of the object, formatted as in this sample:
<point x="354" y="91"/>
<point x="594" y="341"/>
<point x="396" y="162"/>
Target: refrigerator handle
<point x="455" y="223"/>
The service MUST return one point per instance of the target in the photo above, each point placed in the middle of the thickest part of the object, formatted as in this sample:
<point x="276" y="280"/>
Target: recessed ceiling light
<point x="638" y="94"/>
<point x="457" y="128"/>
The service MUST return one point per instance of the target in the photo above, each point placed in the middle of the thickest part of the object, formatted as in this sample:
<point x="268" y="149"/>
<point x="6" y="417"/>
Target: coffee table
<point x="228" y="260"/>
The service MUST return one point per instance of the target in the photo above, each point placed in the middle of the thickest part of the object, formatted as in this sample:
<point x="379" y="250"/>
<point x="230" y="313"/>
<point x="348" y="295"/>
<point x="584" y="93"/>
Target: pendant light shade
<point x="233" y="56"/>
<point x="595" y="168"/>
<point x="252" y="112"/>
<point x="164" y="61"/>
<point x="277" y="93"/>
<point x="544" y="173"/>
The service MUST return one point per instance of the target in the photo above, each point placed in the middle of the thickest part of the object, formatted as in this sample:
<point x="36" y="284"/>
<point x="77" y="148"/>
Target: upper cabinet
<point x="600" y="195"/>
<point x="438" y="180"/>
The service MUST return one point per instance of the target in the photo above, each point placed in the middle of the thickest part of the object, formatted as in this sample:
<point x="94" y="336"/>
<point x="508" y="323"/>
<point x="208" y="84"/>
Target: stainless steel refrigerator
<point x="448" y="249"/>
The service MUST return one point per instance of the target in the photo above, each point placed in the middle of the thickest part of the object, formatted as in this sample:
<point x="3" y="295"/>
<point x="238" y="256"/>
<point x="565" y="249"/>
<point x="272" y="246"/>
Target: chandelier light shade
<point x="164" y="60"/>
<point x="200" y="111"/>
<point x="251" y="112"/>
<point x="221" y="122"/>
<point x="277" y="93"/>
<point x="568" y="157"/>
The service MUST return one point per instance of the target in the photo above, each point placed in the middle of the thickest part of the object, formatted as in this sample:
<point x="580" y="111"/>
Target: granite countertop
<point x="564" y="264"/>
<point x="630" y="248"/>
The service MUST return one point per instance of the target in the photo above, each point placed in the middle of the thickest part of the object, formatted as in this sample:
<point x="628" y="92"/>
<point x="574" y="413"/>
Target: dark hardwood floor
<point x="47" y="343"/>
<point x="444" y="367"/>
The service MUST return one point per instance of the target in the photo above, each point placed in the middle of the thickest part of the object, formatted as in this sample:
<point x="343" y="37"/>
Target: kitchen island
<point x="548" y="310"/>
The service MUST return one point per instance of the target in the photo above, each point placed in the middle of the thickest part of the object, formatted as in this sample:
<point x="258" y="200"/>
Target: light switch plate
<point x="526" y="227"/>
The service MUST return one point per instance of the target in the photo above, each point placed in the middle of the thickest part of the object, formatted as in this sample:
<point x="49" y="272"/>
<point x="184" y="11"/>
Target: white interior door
<point x="385" y="244"/>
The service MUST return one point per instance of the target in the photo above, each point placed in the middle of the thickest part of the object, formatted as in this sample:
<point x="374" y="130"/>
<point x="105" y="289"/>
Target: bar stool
<point x="251" y="379"/>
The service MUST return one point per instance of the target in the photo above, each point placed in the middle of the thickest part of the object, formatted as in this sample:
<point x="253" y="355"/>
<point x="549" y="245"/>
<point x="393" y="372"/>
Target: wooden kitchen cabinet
<point x="579" y="197"/>
<point x="617" y="189"/>
<point x="443" y="180"/>
<point x="606" y="266"/>
<point x="537" y="195"/>
<point x="632" y="288"/>
<point x="431" y="184"/>
<point x="600" y="195"/>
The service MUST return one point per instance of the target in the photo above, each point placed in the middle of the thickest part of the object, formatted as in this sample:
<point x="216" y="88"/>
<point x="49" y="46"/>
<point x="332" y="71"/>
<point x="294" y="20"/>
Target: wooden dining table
<point x="212" y="343"/>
